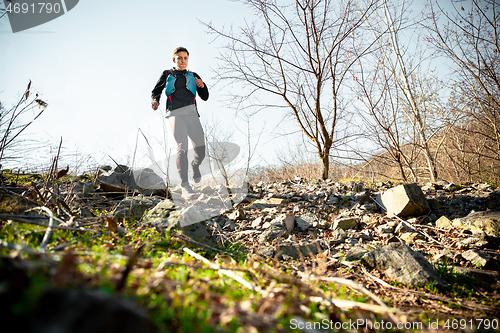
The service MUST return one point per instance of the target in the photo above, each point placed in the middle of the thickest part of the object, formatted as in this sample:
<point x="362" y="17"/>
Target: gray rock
<point x="356" y="253"/>
<point x="476" y="257"/>
<point x="364" y="234"/>
<point x="303" y="222"/>
<point x="267" y="203"/>
<point x="345" y="223"/>
<point x="299" y="250"/>
<point x="273" y="232"/>
<point x="199" y="233"/>
<point x="400" y="263"/>
<point x="190" y="215"/>
<point x="385" y="229"/>
<point x="147" y="179"/>
<point x="120" y="180"/>
<point x="163" y="215"/>
<point x="333" y="200"/>
<point x="238" y="214"/>
<point x="257" y="222"/>
<point x="487" y="222"/>
<point x="289" y="222"/>
<point x="411" y="237"/>
<point x="405" y="200"/>
<point x="447" y="256"/>
<point x="338" y="236"/>
<point x="134" y="207"/>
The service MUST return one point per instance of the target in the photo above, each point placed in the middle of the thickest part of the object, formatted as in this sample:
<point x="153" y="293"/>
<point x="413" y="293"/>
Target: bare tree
<point x="13" y="123"/>
<point x="470" y="38"/>
<point x="300" y="52"/>
<point x="383" y="123"/>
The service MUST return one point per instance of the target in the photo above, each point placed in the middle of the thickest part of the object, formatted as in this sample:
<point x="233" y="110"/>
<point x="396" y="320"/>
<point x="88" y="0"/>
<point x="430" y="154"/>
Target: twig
<point x="353" y="285"/>
<point x="346" y="304"/>
<point x="230" y="274"/>
<point x="17" y="218"/>
<point x="186" y="239"/>
<point x="46" y="237"/>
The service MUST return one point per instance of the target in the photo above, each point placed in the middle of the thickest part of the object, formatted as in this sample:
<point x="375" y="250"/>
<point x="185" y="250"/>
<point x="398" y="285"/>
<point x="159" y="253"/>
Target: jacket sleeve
<point x="159" y="87"/>
<point x="202" y="92"/>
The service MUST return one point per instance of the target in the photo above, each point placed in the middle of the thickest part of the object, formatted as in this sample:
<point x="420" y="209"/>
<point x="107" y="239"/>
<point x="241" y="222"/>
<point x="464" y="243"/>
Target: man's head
<point x="181" y="57"/>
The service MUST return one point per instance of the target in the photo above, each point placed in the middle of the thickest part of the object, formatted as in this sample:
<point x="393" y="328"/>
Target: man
<point x="181" y="86"/>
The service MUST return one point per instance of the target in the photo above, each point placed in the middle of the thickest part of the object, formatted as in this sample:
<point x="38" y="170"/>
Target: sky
<point x="96" y="65"/>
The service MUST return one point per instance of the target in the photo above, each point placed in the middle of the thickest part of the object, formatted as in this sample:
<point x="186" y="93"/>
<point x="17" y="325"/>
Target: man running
<point x="181" y="86"/>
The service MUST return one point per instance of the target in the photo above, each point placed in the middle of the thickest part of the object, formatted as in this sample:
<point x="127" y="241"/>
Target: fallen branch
<point x="22" y="219"/>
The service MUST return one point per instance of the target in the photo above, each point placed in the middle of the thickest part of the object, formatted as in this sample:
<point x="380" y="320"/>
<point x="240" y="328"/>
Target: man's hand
<point x="199" y="83"/>
<point x="155" y="105"/>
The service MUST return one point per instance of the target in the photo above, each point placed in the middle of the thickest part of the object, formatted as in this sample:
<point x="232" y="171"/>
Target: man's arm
<point x="201" y="87"/>
<point x="156" y="93"/>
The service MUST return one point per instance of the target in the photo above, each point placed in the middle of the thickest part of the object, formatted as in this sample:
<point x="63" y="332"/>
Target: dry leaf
<point x="111" y="224"/>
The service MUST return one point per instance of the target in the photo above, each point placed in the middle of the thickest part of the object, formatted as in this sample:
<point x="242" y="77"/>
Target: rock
<point x="400" y="263"/>
<point x="299" y="250"/>
<point x="199" y="232"/>
<point x="273" y="232"/>
<point x="147" y="179"/>
<point x="447" y="256"/>
<point x="410" y="237"/>
<point x="266" y="225"/>
<point x="134" y="207"/>
<point x="257" y="222"/>
<point x="451" y="187"/>
<point x="444" y="223"/>
<point x="385" y="229"/>
<point x="338" y="236"/>
<point x="332" y="200"/>
<point x="121" y="179"/>
<point x="267" y="203"/>
<point x="163" y="215"/>
<point x="289" y="222"/>
<point x="207" y="190"/>
<point x="303" y="222"/>
<point x="477" y="257"/>
<point x="68" y="310"/>
<point x="345" y="223"/>
<point x="356" y="253"/>
<point x="190" y="215"/>
<point x="238" y="214"/>
<point x="487" y="222"/>
<point x="405" y="200"/>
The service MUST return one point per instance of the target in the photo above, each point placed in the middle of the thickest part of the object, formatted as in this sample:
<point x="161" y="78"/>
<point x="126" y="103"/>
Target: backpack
<point x="170" y="83"/>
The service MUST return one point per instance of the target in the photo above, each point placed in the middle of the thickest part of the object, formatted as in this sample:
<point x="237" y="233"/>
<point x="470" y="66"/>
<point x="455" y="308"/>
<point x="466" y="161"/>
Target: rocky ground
<point x="403" y="243"/>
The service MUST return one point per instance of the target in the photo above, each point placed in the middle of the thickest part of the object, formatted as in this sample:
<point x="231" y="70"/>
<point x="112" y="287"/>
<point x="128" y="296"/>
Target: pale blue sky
<point x="96" y="66"/>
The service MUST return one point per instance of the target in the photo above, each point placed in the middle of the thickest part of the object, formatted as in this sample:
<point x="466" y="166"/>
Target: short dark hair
<point x="180" y="49"/>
